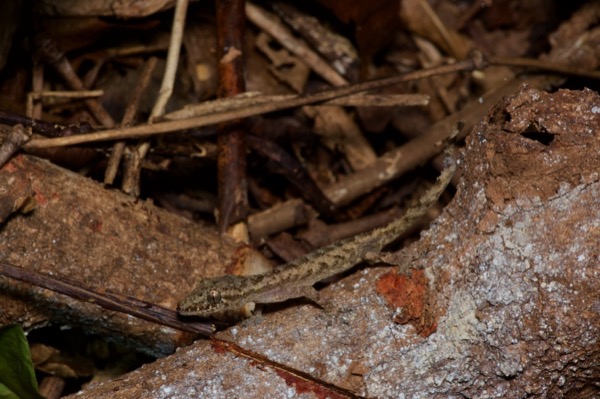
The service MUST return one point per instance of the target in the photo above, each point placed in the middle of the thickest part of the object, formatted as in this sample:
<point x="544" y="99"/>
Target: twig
<point x="57" y="59"/>
<point x="34" y="109"/>
<point x="474" y="9"/>
<point x="544" y="65"/>
<point x="335" y="48"/>
<point x="133" y="166"/>
<point x="13" y="142"/>
<point x="381" y="100"/>
<point x="469" y="64"/>
<point x="128" y="119"/>
<point x="356" y="147"/>
<point x="38" y="95"/>
<point x="232" y="204"/>
<point x="36" y="98"/>
<point x="313" y="384"/>
<point x="447" y="37"/>
<point x="267" y="22"/>
<point x="44" y="128"/>
<point x="248" y="99"/>
<point x="294" y="172"/>
<point x="393" y="163"/>
<point x="166" y="88"/>
<point x="282" y="216"/>
<point x="119" y="303"/>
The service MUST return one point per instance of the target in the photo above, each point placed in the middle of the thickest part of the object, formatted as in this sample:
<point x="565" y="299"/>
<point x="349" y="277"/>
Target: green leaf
<point x="17" y="379"/>
<point x="6" y="393"/>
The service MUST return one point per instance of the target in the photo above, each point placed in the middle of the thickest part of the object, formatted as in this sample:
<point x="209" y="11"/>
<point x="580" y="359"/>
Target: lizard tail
<point x="391" y="231"/>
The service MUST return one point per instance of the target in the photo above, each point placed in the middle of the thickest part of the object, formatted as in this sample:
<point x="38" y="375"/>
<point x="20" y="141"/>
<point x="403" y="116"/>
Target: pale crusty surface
<point x="511" y="264"/>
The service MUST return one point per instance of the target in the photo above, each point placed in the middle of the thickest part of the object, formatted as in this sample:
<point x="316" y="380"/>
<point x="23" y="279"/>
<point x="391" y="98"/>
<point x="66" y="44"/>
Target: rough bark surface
<point x="510" y="306"/>
<point x="104" y="241"/>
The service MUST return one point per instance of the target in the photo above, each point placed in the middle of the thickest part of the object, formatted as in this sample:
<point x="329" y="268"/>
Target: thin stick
<point x="44" y="128"/>
<point x="469" y="64"/>
<point x="393" y="163"/>
<point x="130" y="112"/>
<point x="34" y="110"/>
<point x="232" y="203"/>
<point x="13" y="143"/>
<point x="254" y="98"/>
<point x="447" y="37"/>
<point x="119" y="303"/>
<point x="544" y="66"/>
<point x="167" y="84"/>
<point x="54" y="56"/>
<point x="352" y="143"/>
<point x="36" y="95"/>
<point x="133" y="164"/>
<point x="269" y="23"/>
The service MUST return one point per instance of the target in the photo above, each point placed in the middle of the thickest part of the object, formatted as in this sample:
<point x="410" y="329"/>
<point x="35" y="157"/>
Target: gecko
<point x="220" y="297"/>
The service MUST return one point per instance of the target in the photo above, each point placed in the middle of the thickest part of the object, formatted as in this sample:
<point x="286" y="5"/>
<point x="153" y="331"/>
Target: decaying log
<point x="498" y="298"/>
<point x="104" y="241"/>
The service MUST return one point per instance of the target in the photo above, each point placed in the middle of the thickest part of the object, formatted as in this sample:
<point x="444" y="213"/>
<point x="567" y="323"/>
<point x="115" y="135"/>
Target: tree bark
<point x="498" y="298"/>
<point x="104" y="241"/>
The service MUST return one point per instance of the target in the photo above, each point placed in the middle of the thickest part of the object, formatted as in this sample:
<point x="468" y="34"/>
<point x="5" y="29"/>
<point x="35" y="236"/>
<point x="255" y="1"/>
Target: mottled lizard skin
<point x="219" y="296"/>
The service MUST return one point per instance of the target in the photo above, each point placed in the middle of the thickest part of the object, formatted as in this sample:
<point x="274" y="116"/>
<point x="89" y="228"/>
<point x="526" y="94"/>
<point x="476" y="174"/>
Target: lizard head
<point x="218" y="297"/>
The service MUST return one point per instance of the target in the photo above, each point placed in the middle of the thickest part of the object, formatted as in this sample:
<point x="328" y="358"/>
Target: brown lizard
<point x="222" y="296"/>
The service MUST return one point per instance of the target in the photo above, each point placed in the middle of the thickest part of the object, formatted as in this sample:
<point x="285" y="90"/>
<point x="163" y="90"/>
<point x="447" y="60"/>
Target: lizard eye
<point x="214" y="297"/>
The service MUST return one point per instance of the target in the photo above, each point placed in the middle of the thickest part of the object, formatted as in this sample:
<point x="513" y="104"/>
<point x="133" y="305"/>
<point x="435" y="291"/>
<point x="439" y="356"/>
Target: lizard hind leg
<point x="312" y="295"/>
